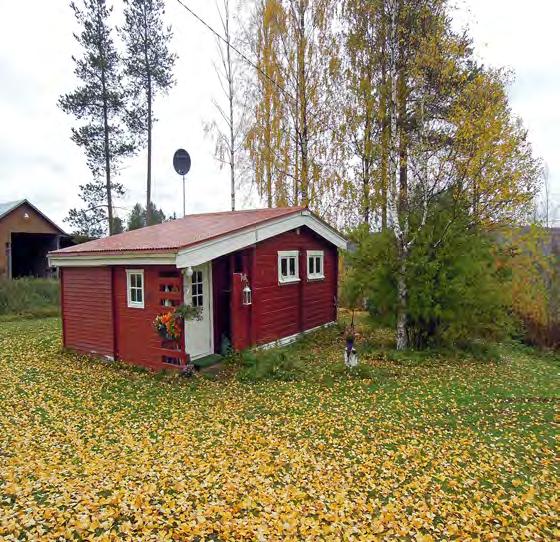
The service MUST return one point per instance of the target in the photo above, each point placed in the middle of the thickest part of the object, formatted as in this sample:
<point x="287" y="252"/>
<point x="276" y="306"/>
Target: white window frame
<point x="199" y="290"/>
<point x="315" y="275"/>
<point x="288" y="254"/>
<point x="130" y="303"/>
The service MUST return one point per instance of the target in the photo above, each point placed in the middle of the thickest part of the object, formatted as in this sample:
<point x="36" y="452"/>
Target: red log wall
<point x="96" y="317"/>
<point x="136" y="340"/>
<point x="282" y="310"/>
<point x="87" y="311"/>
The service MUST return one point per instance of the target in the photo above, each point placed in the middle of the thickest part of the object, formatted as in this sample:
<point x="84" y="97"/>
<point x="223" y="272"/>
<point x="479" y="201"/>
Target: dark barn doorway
<point x="28" y="254"/>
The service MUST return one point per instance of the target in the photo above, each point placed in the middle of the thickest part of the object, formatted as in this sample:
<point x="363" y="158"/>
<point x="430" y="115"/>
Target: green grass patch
<point x="282" y="364"/>
<point x="208" y="361"/>
<point x="29" y="298"/>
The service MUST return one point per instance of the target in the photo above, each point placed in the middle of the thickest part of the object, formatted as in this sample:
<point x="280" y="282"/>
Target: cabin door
<point x="198" y="333"/>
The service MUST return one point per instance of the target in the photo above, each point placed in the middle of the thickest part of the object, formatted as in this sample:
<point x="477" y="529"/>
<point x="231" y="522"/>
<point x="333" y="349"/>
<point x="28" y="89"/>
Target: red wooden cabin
<point x="113" y="288"/>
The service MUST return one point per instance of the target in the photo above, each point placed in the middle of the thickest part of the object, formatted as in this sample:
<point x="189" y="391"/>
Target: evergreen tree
<point x="100" y="103"/>
<point x="457" y="285"/>
<point x="138" y="218"/>
<point x="149" y="66"/>
<point x="118" y="226"/>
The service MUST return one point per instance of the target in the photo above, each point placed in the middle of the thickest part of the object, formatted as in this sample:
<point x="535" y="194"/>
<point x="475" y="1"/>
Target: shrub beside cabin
<point x="113" y="288"/>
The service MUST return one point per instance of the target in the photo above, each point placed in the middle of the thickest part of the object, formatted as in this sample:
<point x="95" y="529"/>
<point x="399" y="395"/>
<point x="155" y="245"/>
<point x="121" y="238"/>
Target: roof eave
<point x="206" y="250"/>
<point x="102" y="259"/>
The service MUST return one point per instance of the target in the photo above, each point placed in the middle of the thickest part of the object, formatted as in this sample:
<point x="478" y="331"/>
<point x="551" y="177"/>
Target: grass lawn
<point x="420" y="449"/>
<point x="28" y="297"/>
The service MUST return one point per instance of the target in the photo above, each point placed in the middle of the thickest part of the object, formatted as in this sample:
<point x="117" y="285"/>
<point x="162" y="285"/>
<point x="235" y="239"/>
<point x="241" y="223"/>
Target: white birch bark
<point x="397" y="221"/>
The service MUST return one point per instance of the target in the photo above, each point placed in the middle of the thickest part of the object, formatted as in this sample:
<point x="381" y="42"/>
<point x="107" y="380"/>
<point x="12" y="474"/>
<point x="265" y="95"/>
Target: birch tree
<point x="451" y="132"/>
<point x="230" y="127"/>
<point x="268" y="141"/>
<point x="364" y="110"/>
<point x="294" y="44"/>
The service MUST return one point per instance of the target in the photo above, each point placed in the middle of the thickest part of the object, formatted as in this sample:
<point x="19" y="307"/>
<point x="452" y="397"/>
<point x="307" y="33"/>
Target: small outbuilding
<point x="26" y="236"/>
<point x="257" y="277"/>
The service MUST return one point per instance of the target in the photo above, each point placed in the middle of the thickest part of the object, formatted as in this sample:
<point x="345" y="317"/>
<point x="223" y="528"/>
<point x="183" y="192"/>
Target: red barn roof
<point x="180" y="233"/>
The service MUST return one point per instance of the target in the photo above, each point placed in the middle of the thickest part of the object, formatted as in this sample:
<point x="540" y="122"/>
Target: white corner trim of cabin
<point x="285" y="341"/>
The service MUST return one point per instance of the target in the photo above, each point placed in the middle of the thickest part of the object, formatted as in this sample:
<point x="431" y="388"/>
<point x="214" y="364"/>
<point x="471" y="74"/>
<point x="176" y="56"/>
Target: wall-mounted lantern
<point x="247" y="295"/>
<point x="247" y="298"/>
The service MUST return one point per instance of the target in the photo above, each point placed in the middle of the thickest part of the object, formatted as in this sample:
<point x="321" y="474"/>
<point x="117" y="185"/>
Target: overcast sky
<point x="39" y="162"/>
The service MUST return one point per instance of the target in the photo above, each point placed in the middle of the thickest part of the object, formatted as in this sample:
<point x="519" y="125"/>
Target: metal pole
<point x="184" y="209"/>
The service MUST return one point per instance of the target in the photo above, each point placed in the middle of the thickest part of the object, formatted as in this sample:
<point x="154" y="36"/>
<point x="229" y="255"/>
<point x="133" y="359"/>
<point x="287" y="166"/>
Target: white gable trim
<point x="210" y="250"/>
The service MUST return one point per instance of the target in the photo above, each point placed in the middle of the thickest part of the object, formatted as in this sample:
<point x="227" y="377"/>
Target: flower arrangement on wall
<point x="169" y="325"/>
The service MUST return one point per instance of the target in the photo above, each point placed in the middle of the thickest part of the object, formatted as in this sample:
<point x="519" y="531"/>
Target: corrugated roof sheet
<point x="177" y="234"/>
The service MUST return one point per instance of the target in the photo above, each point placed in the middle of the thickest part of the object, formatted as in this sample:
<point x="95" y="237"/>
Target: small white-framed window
<point x="288" y="266"/>
<point x="135" y="288"/>
<point x="315" y="265"/>
<point x="197" y="289"/>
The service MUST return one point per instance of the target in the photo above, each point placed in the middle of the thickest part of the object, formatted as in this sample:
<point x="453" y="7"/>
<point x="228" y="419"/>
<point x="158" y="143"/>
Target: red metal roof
<point x="177" y="234"/>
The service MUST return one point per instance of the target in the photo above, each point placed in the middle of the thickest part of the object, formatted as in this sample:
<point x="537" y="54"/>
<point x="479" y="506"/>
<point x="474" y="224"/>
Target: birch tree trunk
<point x="402" y="302"/>
<point x="398" y="190"/>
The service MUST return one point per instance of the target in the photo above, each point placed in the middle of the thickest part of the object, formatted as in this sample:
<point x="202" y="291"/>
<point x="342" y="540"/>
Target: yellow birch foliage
<point x="494" y="164"/>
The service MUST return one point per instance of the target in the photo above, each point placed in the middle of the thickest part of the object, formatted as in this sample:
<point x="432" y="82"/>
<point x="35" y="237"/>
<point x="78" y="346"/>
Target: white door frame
<point x="188" y="301"/>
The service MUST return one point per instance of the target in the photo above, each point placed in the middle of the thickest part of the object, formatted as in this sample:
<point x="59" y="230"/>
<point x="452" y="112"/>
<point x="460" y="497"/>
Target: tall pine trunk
<point x="107" y="151"/>
<point x="149" y="67"/>
<point x="149" y="165"/>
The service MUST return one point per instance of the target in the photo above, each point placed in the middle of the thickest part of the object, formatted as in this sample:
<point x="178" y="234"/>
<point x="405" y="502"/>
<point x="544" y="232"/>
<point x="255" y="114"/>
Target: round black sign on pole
<point x="182" y="165"/>
<point x="182" y="161"/>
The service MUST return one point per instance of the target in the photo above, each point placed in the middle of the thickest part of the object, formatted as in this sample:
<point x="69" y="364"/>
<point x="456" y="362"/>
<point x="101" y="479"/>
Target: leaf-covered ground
<point x="430" y="450"/>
